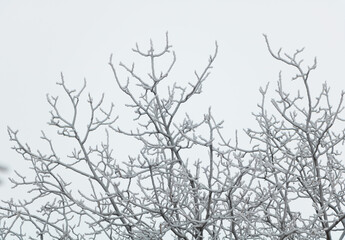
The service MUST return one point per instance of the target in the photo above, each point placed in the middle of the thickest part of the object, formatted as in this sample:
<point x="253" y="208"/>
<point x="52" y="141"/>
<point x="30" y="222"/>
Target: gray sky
<point x="39" y="39"/>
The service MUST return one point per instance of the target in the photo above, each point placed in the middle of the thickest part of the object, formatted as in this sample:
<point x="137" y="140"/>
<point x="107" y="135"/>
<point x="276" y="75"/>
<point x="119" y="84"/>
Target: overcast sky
<point x="40" y="39"/>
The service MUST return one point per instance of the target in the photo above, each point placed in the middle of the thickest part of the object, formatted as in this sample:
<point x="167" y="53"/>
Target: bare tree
<point x="187" y="181"/>
<point x="300" y="158"/>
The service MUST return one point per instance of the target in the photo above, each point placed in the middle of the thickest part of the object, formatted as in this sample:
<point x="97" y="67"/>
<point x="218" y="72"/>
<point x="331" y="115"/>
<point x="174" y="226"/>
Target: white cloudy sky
<point x="39" y="39"/>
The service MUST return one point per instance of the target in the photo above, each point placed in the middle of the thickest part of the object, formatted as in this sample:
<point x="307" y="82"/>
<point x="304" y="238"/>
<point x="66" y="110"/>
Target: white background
<point x="40" y="39"/>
